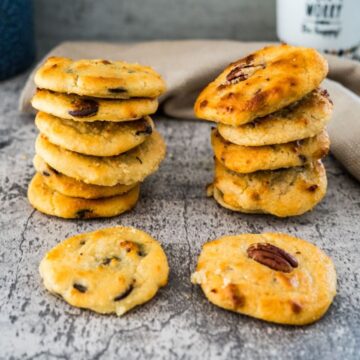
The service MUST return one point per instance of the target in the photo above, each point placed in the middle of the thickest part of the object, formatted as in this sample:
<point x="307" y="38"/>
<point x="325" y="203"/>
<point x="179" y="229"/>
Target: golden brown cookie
<point x="51" y="202"/>
<point x="108" y="271"/>
<point x="100" y="138"/>
<point x="302" y="119"/>
<point x="74" y="188"/>
<point x="248" y="159"/>
<point x="128" y="168"/>
<point x="274" y="277"/>
<point x="82" y="108"/>
<point x="99" y="78"/>
<point x="260" y="84"/>
<point x="283" y="192"/>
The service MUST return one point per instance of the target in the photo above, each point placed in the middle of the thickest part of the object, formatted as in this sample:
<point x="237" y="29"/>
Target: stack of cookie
<point x="271" y="131"/>
<point x="97" y="142"/>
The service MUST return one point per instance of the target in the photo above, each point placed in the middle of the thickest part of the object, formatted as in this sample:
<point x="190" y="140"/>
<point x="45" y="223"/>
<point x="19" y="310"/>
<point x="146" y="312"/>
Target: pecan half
<point x="272" y="257"/>
<point x="242" y="72"/>
<point x="84" y="108"/>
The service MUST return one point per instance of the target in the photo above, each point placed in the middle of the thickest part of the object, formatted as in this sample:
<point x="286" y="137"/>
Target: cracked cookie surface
<point x="128" y="168"/>
<point x="85" y="109"/>
<point x="283" y="192"/>
<point x="302" y="119"/>
<point x="100" y="138"/>
<point x="261" y="83"/>
<point x="99" y="78"/>
<point x="111" y="270"/>
<point x="248" y="159"/>
<point x="74" y="188"/>
<point x="274" y="277"/>
<point x="51" y="202"/>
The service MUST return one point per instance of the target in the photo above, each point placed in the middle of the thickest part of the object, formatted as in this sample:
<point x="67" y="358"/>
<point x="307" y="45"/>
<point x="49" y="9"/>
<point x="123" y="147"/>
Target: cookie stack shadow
<point x="97" y="142"/>
<point x="271" y="135"/>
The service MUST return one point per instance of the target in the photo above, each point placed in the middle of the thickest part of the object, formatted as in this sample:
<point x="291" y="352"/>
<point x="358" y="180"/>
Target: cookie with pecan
<point x="98" y="138"/>
<point x="274" y="277"/>
<point x="302" y="119"/>
<point x="283" y="192"/>
<point x="247" y="159"/>
<point x="261" y="83"/>
<point x="127" y="168"/>
<point x="87" y="109"/>
<point x="108" y="271"/>
<point x="99" y="78"/>
<point x="68" y="186"/>
<point x="51" y="202"/>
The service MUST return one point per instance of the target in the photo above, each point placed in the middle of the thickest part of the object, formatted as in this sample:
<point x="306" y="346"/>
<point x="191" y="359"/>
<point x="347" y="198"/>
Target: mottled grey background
<point x="128" y="20"/>
<point x="179" y="323"/>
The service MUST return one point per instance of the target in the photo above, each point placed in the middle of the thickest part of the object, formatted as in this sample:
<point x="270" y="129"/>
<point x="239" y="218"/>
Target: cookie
<point x="273" y="277"/>
<point x="51" y="202"/>
<point x="260" y="84"/>
<point x="247" y="159"/>
<point x="302" y="119"/>
<point x="108" y="271"/>
<point x="283" y="192"/>
<point x="100" y="138"/>
<point x="128" y="168"/>
<point x="80" y="108"/>
<point x="99" y="78"/>
<point x="68" y="186"/>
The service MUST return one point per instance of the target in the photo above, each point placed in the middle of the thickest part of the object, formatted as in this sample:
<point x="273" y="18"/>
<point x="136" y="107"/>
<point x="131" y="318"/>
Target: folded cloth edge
<point x="188" y="65"/>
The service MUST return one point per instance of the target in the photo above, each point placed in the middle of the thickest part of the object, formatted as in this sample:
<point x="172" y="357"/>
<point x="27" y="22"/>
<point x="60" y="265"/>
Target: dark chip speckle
<point x="124" y="294"/>
<point x="312" y="188"/>
<point x="84" y="108"/>
<point x="147" y="130"/>
<point x="117" y="90"/>
<point x="107" y="261"/>
<point x="80" y="288"/>
<point x="83" y="213"/>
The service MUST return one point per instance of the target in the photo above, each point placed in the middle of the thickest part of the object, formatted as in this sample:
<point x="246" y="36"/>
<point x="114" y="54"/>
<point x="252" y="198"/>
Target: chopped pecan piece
<point x="242" y="72"/>
<point x="80" y="288"/>
<point x="84" y="108"/>
<point x="326" y="94"/>
<point x="124" y="294"/>
<point x="312" y="188"/>
<point x="272" y="257"/>
<point x="117" y="90"/>
<point x="83" y="213"/>
<point x="237" y="299"/>
<point x="144" y="129"/>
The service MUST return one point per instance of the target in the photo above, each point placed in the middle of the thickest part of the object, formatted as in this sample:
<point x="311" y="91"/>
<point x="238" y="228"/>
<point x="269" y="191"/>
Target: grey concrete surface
<point x="178" y="323"/>
<point x="129" y="20"/>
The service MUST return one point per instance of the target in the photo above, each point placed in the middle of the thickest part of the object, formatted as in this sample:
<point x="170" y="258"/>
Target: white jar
<point x="328" y="25"/>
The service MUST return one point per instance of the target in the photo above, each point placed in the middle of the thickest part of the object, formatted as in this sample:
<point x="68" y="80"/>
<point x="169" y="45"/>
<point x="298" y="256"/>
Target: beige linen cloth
<point x="189" y="65"/>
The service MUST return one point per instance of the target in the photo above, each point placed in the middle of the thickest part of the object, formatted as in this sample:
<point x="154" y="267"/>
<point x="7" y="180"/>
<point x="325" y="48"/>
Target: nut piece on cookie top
<point x="272" y="276"/>
<point x="261" y="83"/>
<point x="99" y="78"/>
<point x="111" y="270"/>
